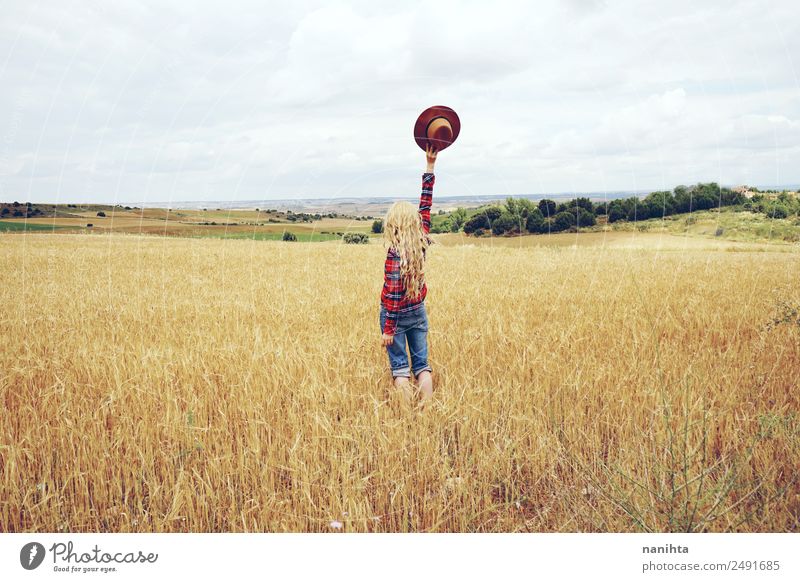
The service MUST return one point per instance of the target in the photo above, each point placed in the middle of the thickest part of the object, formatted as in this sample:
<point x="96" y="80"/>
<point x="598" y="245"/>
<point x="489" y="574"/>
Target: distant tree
<point x="457" y="219"/>
<point x="547" y="207"/>
<point x="441" y="228"/>
<point x="289" y="236"/>
<point x="89" y="225"/>
<point x="479" y="221"/>
<point x="563" y="221"/>
<point x="705" y="196"/>
<point x="778" y="211"/>
<point x="355" y="238"/>
<point x="518" y="209"/>
<point x="527" y="207"/>
<point x="101" y="214"/>
<point x="4" y="211"/>
<point x="492" y="212"/>
<point x="513" y="206"/>
<point x="601" y="208"/>
<point x="659" y="204"/>
<point x="616" y="211"/>
<point x="584" y="217"/>
<point x="730" y="198"/>
<point x="583" y="202"/>
<point x="505" y="223"/>
<point x="535" y="222"/>
<point x="683" y="199"/>
<point x="636" y="210"/>
<point x="17" y="213"/>
<point x="377" y="227"/>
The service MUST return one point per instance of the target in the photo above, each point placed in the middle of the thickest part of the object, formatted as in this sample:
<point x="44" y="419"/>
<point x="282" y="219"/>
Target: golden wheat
<point x="154" y="384"/>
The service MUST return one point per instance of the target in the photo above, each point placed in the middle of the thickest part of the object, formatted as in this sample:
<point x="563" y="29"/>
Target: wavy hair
<point x="402" y="231"/>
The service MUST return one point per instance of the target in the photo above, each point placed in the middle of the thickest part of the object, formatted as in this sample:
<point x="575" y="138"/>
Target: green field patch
<point x="22" y="226"/>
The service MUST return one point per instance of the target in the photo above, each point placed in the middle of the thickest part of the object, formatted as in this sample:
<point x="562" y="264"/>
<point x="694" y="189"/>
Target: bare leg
<point x="405" y="387"/>
<point x="425" y="383"/>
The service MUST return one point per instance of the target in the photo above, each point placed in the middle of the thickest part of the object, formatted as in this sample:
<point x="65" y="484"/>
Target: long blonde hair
<point x="402" y="230"/>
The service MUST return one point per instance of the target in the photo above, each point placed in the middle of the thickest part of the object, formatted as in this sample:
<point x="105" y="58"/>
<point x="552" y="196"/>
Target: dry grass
<point x="617" y="239"/>
<point x="203" y="385"/>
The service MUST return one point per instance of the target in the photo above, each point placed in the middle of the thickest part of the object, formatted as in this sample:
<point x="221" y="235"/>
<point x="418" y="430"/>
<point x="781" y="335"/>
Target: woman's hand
<point x="386" y="339"/>
<point x="430" y="157"/>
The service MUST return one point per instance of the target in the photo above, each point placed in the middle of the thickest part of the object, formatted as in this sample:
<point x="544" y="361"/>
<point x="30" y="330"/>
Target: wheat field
<point x="172" y="385"/>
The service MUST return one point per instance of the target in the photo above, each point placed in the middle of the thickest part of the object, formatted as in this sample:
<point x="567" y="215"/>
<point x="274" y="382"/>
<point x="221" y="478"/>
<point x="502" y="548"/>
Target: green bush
<point x="377" y="227"/>
<point x="616" y="211"/>
<point x="457" y="219"/>
<point x="505" y="223"/>
<point x="777" y="211"/>
<point x="584" y="217"/>
<point x="441" y="228"/>
<point x="289" y="236"/>
<point x="535" y="222"/>
<point x="492" y="213"/>
<point x="479" y="221"/>
<point x="355" y="238"/>
<point x="547" y="207"/>
<point x="563" y="221"/>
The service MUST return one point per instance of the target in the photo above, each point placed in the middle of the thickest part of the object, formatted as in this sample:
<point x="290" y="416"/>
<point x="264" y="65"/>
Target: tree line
<point x="520" y="215"/>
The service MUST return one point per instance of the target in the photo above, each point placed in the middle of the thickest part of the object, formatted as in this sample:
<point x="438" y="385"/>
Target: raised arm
<point x="426" y="198"/>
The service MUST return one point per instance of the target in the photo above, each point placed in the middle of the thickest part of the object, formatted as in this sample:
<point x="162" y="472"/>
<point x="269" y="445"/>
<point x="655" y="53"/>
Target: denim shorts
<point x="412" y="329"/>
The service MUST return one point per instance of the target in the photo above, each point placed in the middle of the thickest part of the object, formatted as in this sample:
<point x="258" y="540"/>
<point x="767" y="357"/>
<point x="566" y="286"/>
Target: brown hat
<point x="438" y="126"/>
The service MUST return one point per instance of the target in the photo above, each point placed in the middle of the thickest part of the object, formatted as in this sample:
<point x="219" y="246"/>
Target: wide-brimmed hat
<point x="438" y="126"/>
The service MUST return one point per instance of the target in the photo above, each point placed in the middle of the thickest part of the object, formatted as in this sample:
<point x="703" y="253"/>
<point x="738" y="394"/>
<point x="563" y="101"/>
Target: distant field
<point x="231" y="224"/>
<point x="26" y="226"/>
<point x="179" y="384"/>
<point x="723" y="224"/>
<point x="612" y="239"/>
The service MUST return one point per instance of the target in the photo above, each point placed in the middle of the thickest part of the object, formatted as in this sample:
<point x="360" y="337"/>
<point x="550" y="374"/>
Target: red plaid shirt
<point x="393" y="295"/>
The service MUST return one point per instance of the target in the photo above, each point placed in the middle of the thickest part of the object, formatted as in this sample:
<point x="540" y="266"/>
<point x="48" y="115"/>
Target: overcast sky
<point x="168" y="101"/>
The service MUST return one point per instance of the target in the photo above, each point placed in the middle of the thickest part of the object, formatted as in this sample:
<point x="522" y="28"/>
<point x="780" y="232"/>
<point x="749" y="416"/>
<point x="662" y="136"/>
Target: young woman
<point x="403" y="318"/>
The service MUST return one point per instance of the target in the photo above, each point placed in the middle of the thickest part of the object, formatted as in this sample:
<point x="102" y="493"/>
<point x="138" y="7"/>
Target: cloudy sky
<point x="169" y="101"/>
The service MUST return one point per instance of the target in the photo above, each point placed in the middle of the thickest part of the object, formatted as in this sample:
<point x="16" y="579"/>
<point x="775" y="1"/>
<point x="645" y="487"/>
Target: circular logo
<point x="31" y="555"/>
